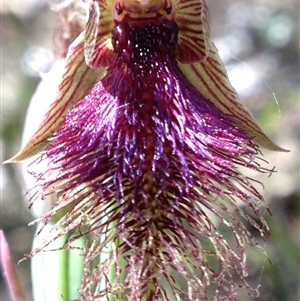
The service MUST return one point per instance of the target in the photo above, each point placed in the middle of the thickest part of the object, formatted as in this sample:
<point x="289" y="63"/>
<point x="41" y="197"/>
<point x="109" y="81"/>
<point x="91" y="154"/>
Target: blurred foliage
<point x="259" y="42"/>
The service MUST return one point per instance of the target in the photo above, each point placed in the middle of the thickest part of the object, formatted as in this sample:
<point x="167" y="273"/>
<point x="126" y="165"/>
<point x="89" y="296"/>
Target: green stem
<point x="64" y="274"/>
<point x="112" y="274"/>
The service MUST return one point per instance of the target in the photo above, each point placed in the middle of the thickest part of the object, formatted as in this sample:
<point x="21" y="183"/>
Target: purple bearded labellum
<point x="143" y="146"/>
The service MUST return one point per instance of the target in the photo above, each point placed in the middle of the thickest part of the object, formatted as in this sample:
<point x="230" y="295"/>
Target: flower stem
<point x="64" y="273"/>
<point x="9" y="271"/>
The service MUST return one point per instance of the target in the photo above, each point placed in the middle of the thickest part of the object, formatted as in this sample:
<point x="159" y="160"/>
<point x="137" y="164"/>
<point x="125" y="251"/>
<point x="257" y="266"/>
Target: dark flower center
<point x="141" y="45"/>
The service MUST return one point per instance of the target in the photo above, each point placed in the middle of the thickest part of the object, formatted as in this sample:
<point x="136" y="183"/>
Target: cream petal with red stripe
<point x="194" y="32"/>
<point x="98" y="48"/>
<point x="200" y="62"/>
<point x="210" y="78"/>
<point x="76" y="82"/>
<point x="91" y="32"/>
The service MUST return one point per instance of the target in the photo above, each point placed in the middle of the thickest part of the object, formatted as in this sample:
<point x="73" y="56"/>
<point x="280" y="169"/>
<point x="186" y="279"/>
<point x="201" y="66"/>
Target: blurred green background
<point x="259" y="42"/>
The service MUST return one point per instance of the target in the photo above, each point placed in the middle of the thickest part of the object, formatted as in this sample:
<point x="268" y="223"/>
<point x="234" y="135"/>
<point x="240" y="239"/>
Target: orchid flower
<point x="143" y="148"/>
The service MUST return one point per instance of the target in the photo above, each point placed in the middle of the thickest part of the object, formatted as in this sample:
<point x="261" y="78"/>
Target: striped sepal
<point x="98" y="48"/>
<point x="91" y="32"/>
<point x="211" y="79"/>
<point x="76" y="82"/>
<point x="193" y="22"/>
